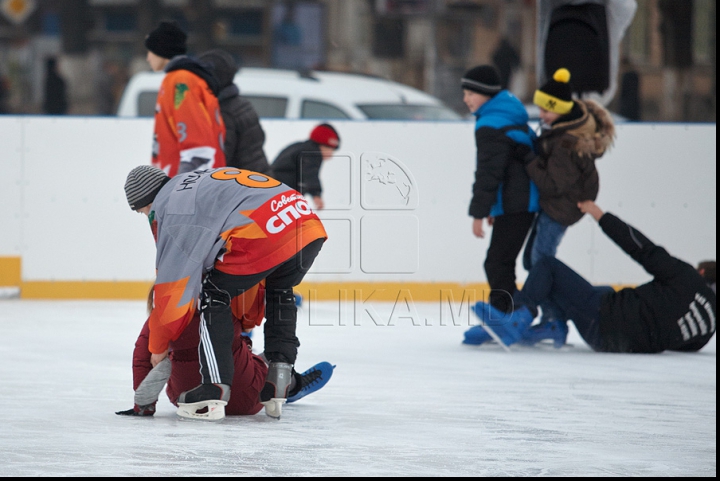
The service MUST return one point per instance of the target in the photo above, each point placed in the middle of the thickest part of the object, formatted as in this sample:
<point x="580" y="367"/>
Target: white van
<point x="290" y="94"/>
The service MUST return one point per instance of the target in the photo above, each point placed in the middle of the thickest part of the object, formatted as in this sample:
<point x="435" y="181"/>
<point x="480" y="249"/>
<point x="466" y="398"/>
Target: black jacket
<point x="675" y="311"/>
<point x="244" y="136"/>
<point x="501" y="184"/>
<point x="299" y="167"/>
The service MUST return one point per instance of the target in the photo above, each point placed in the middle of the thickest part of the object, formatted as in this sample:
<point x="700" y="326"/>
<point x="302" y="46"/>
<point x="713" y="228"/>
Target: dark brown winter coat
<point x="564" y="167"/>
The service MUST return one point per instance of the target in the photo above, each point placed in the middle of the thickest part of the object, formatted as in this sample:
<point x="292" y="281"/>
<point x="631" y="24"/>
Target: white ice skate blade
<point x="215" y="410"/>
<point x="492" y="333"/>
<point x="273" y="407"/>
<point x="495" y="337"/>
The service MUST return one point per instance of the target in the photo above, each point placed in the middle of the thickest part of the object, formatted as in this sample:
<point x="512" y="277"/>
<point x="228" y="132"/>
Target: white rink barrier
<point x="396" y="197"/>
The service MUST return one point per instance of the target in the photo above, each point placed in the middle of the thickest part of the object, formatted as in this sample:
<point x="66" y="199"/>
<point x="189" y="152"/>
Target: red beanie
<point x="324" y="134"/>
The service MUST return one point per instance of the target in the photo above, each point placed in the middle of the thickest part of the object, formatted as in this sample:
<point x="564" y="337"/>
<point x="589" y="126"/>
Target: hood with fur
<point x="594" y="130"/>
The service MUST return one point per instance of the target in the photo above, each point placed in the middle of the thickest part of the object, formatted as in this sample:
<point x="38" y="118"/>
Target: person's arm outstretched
<point x="654" y="259"/>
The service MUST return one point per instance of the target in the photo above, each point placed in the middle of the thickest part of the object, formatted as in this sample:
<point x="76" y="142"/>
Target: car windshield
<point x="408" y="112"/>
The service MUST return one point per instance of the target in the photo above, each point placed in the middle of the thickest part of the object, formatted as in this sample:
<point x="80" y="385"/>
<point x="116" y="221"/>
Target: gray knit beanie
<point x="142" y="185"/>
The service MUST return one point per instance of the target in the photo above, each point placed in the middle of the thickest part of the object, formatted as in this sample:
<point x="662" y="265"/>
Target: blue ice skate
<point x="509" y="327"/>
<point x="311" y="380"/>
<point x="476" y="335"/>
<point x="554" y="330"/>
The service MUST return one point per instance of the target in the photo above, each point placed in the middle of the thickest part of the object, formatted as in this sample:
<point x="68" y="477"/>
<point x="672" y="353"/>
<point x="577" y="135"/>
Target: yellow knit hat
<point x="556" y="94"/>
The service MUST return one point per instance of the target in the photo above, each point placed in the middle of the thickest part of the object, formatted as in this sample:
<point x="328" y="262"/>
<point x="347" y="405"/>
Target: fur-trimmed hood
<point x="594" y="130"/>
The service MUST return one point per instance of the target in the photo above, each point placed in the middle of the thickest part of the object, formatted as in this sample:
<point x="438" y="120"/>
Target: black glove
<point x="147" y="410"/>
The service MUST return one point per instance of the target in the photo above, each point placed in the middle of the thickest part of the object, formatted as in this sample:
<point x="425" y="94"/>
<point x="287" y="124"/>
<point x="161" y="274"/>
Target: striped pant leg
<point x="216" y="338"/>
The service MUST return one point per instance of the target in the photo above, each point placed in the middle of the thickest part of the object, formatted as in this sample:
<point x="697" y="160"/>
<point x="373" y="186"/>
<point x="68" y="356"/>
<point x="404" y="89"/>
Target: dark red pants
<point x="248" y="380"/>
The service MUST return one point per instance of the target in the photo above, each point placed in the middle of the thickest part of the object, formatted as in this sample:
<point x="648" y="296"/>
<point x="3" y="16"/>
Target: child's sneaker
<point x="311" y="380"/>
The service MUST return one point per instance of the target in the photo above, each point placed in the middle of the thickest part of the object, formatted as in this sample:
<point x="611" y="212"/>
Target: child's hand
<point x="590" y="207"/>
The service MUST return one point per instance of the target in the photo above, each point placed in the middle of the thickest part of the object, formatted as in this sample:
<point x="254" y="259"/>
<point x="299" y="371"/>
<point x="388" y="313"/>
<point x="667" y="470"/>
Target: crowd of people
<point x="235" y="234"/>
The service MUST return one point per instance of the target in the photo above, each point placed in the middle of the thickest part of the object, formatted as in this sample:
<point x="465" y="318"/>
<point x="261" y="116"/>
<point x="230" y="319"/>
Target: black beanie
<point x="556" y="94"/>
<point x="483" y="79"/>
<point x="142" y="185"/>
<point x="167" y="40"/>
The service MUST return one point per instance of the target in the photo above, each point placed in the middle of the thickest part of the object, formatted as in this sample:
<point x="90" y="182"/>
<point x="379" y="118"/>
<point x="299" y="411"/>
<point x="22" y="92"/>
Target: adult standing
<point x="244" y="136"/>
<point x="189" y="130"/>
<point x="55" y="101"/>
<point x="503" y="195"/>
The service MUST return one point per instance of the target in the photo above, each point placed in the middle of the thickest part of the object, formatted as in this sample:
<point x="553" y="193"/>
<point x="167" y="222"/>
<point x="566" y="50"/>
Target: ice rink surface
<point x="406" y="399"/>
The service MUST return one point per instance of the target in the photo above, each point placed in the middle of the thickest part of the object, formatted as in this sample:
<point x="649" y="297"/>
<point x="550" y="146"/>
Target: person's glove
<point x="147" y="410"/>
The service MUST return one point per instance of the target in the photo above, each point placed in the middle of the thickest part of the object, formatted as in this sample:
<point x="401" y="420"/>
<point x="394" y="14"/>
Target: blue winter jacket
<point x="501" y="184"/>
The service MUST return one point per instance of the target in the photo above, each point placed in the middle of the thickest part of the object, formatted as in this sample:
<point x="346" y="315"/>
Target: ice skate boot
<point x="275" y="392"/>
<point x="553" y="330"/>
<point x="310" y="381"/>
<point x="476" y="335"/>
<point x="206" y="402"/>
<point x="504" y="328"/>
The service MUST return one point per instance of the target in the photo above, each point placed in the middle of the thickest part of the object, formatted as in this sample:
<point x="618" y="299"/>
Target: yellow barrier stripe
<point x="10" y="271"/>
<point x="85" y="290"/>
<point x="325" y="291"/>
<point x="312" y="291"/>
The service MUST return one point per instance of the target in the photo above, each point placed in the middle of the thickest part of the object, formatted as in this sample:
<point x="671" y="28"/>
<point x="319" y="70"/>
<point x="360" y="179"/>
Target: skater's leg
<point x="508" y="236"/>
<point x="281" y="343"/>
<point x="551" y="280"/>
<point x="216" y="335"/>
<point x="250" y="374"/>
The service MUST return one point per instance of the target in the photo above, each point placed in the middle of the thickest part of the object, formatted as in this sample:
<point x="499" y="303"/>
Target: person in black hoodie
<point x="244" y="136"/>
<point x="675" y="311"/>
<point x="298" y="165"/>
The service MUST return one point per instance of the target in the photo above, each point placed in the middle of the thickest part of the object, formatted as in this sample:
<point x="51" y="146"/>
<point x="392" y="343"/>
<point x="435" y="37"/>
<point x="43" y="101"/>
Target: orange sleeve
<point x="168" y="318"/>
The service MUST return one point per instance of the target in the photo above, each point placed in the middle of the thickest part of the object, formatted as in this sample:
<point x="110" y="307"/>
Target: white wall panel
<point x="402" y="185"/>
<point x="11" y="186"/>
<point x="78" y="225"/>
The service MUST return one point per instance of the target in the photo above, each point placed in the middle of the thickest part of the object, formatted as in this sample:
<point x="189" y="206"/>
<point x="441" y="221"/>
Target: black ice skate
<point x="275" y="392"/>
<point x="206" y="402"/>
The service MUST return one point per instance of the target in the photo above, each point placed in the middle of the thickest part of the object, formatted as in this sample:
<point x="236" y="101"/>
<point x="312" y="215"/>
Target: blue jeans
<point x="552" y="282"/>
<point x="543" y="241"/>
